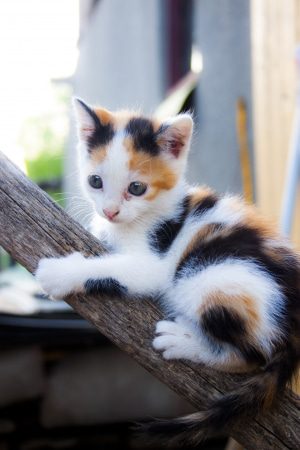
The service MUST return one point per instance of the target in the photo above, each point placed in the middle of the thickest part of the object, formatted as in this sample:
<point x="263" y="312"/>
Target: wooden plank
<point x="32" y="226"/>
<point x="275" y="32"/>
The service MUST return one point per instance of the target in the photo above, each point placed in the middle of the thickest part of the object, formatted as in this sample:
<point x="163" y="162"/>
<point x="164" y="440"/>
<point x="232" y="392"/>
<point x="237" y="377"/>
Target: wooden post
<point x="32" y="226"/>
<point x="275" y="33"/>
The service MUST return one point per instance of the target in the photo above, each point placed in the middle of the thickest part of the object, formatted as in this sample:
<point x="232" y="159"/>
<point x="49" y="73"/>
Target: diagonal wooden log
<point x="33" y="226"/>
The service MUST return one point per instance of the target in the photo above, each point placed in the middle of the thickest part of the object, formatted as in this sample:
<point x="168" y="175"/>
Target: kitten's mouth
<point x="115" y="219"/>
<point x="112" y="220"/>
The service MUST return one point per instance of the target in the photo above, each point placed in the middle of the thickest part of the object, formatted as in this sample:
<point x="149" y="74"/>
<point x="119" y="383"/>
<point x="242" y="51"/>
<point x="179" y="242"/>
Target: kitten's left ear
<point x="176" y="135"/>
<point x="87" y="120"/>
<point x="94" y="125"/>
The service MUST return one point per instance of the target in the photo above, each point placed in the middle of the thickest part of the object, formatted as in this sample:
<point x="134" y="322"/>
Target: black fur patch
<point x="204" y="205"/>
<point x="241" y="243"/>
<point x="143" y="135"/>
<point x="163" y="235"/>
<point x="105" y="286"/>
<point x="223" y="324"/>
<point x="226" y="325"/>
<point x="103" y="134"/>
<point x="251" y="353"/>
<point x="247" y="244"/>
<point x="288" y="362"/>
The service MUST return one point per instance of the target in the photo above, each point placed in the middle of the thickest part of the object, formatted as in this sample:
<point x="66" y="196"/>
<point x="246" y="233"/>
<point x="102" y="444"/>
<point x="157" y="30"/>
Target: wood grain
<point x="32" y="226"/>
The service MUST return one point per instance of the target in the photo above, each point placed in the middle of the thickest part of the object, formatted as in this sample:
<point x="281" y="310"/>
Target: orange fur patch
<point x="160" y="175"/>
<point x="253" y="219"/>
<point x="104" y="116"/>
<point x="118" y="119"/>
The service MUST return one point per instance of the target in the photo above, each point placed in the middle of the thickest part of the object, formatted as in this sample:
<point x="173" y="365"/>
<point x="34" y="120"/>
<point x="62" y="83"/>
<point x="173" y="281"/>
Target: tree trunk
<point x="32" y="226"/>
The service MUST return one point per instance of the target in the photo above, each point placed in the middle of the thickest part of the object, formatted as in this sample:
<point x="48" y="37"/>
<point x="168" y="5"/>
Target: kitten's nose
<point x="111" y="213"/>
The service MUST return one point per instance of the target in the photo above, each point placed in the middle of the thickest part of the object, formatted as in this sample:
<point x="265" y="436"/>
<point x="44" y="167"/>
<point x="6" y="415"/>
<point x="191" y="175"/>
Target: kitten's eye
<point x="137" y="188"/>
<point x="95" y="181"/>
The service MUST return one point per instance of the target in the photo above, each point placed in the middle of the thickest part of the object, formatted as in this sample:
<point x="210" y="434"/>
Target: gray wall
<point x="222" y="33"/>
<point x="120" y="55"/>
<point x="120" y="65"/>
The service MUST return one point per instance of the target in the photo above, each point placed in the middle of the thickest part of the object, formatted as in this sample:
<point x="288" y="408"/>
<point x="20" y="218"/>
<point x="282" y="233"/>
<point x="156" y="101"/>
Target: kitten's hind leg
<point x="179" y="340"/>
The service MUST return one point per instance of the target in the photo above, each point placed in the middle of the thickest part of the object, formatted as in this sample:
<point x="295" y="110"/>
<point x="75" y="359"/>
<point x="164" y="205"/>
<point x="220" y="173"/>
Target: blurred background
<point x="231" y="62"/>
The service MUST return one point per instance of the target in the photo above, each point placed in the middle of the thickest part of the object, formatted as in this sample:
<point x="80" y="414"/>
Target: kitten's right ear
<point x="86" y="118"/>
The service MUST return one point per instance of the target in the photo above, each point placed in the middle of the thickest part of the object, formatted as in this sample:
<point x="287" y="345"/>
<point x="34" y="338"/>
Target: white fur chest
<point x="120" y="239"/>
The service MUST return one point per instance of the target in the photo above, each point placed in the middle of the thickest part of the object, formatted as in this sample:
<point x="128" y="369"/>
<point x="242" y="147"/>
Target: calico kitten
<point x="228" y="280"/>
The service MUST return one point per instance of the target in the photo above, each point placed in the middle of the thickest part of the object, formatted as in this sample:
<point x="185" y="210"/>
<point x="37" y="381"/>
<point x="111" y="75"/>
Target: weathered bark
<point x="32" y="226"/>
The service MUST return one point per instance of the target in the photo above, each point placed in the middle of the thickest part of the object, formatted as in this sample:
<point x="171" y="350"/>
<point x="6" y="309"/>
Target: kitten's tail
<point x="257" y="393"/>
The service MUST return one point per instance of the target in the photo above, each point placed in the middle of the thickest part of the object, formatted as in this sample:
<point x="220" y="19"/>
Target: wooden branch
<point x="32" y="226"/>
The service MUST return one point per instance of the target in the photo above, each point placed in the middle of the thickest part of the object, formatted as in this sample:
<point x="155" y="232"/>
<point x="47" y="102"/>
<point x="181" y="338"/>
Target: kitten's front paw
<point x="60" y="276"/>
<point x="174" y="339"/>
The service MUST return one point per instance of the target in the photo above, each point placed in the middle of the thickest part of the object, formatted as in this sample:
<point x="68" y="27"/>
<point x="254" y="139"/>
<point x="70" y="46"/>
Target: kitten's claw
<point x="175" y="340"/>
<point x="59" y="277"/>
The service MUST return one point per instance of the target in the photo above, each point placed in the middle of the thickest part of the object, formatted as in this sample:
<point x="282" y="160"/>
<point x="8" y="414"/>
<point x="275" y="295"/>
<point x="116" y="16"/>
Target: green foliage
<point x="43" y="140"/>
<point x="47" y="162"/>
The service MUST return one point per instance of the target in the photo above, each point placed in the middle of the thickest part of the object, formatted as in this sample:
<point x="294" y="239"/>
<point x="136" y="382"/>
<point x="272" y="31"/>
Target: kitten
<point x="230" y="283"/>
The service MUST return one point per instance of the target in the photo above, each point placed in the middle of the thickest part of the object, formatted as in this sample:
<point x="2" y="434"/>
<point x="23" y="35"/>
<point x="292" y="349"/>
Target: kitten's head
<point x="130" y="165"/>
